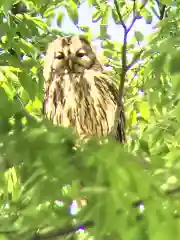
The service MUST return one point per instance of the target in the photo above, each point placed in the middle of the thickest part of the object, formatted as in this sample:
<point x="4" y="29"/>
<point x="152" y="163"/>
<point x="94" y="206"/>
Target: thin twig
<point x="162" y="10"/>
<point x="62" y="231"/>
<point x="135" y="75"/>
<point x="168" y="192"/>
<point x="136" y="17"/>
<point x="135" y="59"/>
<point x="134" y="8"/>
<point x="155" y="12"/>
<point x="125" y="68"/>
<point x="119" y="14"/>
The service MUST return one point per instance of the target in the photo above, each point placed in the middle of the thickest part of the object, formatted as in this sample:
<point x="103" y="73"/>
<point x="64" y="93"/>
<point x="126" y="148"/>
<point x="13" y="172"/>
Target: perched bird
<point x="78" y="93"/>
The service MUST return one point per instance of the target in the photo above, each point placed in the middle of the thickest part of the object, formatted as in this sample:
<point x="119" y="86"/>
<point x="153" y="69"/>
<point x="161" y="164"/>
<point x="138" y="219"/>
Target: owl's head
<point x="70" y="55"/>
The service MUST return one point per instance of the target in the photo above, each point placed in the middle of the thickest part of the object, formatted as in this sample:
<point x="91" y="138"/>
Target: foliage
<point x="132" y="190"/>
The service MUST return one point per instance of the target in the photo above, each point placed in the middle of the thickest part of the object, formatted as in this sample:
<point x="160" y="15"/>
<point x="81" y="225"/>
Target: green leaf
<point x="154" y="97"/>
<point x="148" y="19"/>
<point x="37" y="21"/>
<point x="144" y="146"/>
<point x="60" y="16"/>
<point x="168" y="2"/>
<point x="84" y="28"/>
<point x="88" y="33"/>
<point x="50" y="12"/>
<point x="92" y="2"/>
<point x="9" y="89"/>
<point x="72" y="11"/>
<point x="7" y="5"/>
<point x="172" y="157"/>
<point x="6" y="107"/>
<point x="29" y="84"/>
<point x="108" y="53"/>
<point x="3" y="237"/>
<point x="133" y="117"/>
<point x="96" y="16"/>
<point x="144" y="109"/>
<point x="159" y="62"/>
<point x="115" y="17"/>
<point x="176" y="83"/>
<point x="177" y="110"/>
<point x="174" y="63"/>
<point x="12" y="77"/>
<point x="139" y="36"/>
<point x="105" y="16"/>
<point x="103" y="31"/>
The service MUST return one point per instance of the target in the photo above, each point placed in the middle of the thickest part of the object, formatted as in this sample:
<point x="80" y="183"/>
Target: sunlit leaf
<point x="72" y="11"/>
<point x="148" y="19"/>
<point x="174" y="64"/>
<point x="144" y="110"/>
<point x="167" y="2"/>
<point x="103" y="31"/>
<point x="96" y="16"/>
<point x="29" y="84"/>
<point x="60" y="16"/>
<point x="139" y="36"/>
<point x="176" y="83"/>
<point x="50" y="12"/>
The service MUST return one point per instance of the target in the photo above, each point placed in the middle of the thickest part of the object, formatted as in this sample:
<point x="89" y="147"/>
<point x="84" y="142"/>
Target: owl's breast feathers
<point x="87" y="102"/>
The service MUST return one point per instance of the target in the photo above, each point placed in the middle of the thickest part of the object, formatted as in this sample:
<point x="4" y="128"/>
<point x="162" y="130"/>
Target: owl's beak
<point x="70" y="64"/>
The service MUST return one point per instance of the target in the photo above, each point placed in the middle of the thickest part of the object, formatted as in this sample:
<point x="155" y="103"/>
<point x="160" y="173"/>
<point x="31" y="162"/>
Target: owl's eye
<point x="60" y="56"/>
<point x="81" y="54"/>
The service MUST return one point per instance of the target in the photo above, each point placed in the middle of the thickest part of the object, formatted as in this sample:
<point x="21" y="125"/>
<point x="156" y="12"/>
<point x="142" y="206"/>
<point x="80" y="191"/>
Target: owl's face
<point x="70" y="55"/>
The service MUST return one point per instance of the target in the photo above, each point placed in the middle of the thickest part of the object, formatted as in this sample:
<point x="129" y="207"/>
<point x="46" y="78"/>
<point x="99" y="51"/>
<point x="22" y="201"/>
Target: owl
<point x="78" y="93"/>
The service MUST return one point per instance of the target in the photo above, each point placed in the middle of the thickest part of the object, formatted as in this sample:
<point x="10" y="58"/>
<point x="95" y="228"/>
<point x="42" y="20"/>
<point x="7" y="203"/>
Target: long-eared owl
<point x="78" y="92"/>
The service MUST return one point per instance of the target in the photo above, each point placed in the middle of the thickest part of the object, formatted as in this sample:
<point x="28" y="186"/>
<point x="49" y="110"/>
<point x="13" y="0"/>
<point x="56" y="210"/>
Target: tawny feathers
<point x="78" y="93"/>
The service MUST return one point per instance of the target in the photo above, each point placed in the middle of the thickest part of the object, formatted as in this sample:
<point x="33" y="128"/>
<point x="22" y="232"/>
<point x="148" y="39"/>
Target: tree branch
<point x="162" y="9"/>
<point x="162" y="12"/>
<point x="62" y="231"/>
<point x="125" y="68"/>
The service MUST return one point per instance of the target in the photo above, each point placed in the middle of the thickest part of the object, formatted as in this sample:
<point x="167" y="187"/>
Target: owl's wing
<point x="118" y="131"/>
<point x="119" y="122"/>
<point x="47" y="73"/>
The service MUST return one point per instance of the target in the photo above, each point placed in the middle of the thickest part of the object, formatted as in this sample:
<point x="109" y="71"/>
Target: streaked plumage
<point x="78" y="93"/>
